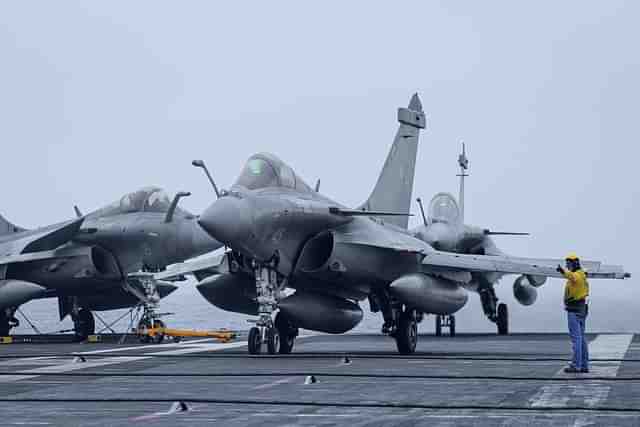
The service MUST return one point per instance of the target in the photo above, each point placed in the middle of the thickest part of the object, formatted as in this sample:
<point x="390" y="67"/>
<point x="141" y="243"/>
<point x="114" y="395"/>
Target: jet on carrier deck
<point x="86" y="263"/>
<point x="298" y="259"/>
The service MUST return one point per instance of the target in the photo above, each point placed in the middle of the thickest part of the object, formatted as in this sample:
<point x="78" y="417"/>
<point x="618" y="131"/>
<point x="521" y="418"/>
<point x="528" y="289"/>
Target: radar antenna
<point x="463" y="162"/>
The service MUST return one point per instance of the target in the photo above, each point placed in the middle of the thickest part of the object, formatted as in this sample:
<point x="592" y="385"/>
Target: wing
<point x="200" y="267"/>
<point x="38" y="244"/>
<point x="360" y="212"/>
<point x="437" y="260"/>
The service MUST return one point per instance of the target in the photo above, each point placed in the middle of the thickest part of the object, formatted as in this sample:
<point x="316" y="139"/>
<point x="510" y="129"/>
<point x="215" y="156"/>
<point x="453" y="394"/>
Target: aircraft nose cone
<point x="227" y="220"/>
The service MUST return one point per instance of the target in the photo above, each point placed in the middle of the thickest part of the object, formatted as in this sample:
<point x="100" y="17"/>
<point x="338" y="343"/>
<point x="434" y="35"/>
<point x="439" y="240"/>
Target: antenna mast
<point x="463" y="162"/>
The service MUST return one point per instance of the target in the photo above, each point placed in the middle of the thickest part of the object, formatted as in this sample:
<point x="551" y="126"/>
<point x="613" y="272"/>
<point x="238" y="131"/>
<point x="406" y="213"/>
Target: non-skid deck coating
<point x="466" y="380"/>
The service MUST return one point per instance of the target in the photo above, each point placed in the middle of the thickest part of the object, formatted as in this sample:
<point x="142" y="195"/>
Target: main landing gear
<point x="83" y="323"/>
<point x="8" y="321"/>
<point x="445" y="321"/>
<point x="400" y="322"/>
<point x="406" y="334"/>
<point x="497" y="313"/>
<point x="279" y="335"/>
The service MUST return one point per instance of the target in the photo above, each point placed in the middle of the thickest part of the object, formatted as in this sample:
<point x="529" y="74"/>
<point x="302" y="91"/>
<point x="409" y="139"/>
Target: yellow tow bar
<point x="222" y="336"/>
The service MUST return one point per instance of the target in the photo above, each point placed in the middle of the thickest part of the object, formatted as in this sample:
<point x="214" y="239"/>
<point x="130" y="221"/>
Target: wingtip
<point x="415" y="104"/>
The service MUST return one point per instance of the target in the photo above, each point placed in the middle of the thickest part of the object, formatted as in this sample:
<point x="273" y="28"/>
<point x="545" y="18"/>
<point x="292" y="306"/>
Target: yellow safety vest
<point x="577" y="286"/>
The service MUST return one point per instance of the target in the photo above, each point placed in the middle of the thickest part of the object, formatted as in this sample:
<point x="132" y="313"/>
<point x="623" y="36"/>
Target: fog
<point x="100" y="98"/>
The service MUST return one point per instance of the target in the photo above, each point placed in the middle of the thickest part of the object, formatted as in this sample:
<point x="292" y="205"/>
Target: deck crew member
<point x="576" y="292"/>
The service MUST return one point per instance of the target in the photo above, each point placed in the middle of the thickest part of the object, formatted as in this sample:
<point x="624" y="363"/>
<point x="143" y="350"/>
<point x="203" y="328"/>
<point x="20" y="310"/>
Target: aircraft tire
<point x="255" y="341"/>
<point x="287" y="333"/>
<point x="503" y="319"/>
<point x="452" y="325"/>
<point x="4" y="325"/>
<point x="273" y="341"/>
<point x="407" y="334"/>
<point x="84" y="324"/>
<point x="286" y="343"/>
<point x="158" y="338"/>
<point x="4" y="328"/>
<point x="438" y="325"/>
<point x="144" y="324"/>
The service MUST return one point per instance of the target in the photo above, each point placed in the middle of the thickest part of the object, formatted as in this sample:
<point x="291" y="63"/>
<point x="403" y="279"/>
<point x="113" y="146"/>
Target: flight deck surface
<point x="361" y="381"/>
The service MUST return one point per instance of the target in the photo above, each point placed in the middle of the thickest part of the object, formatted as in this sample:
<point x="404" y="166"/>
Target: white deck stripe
<point x="69" y="366"/>
<point x="589" y="393"/>
<point x="142" y="347"/>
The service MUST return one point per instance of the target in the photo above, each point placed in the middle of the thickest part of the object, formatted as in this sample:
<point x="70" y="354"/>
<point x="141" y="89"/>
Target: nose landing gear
<point x="278" y="335"/>
<point x="147" y="293"/>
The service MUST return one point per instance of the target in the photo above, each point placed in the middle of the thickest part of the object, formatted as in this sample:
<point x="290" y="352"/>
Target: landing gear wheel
<point x="452" y="325"/>
<point x="503" y="319"/>
<point x="158" y="337"/>
<point x="438" y="325"/>
<point x="145" y="325"/>
<point x="255" y="341"/>
<point x="407" y="333"/>
<point x="5" y="324"/>
<point x="287" y="333"/>
<point x="84" y="324"/>
<point x="273" y="341"/>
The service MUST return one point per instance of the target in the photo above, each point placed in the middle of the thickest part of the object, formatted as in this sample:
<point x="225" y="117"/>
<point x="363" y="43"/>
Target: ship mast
<point x="463" y="162"/>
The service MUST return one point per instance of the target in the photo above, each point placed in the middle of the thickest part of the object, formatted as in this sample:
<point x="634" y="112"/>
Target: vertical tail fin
<point x="7" y="228"/>
<point x="392" y="192"/>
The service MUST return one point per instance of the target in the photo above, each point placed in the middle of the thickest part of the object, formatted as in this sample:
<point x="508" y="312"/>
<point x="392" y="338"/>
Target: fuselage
<point x="303" y="235"/>
<point x="124" y="237"/>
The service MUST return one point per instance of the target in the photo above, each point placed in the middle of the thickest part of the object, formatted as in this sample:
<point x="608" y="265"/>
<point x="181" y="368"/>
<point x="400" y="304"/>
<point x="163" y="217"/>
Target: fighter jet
<point x="89" y="263"/>
<point x="298" y="259"/>
<point x="444" y="229"/>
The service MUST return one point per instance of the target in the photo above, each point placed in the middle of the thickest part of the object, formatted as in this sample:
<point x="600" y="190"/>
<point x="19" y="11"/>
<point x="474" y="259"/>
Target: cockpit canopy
<point x="266" y="170"/>
<point x="443" y="208"/>
<point x="148" y="199"/>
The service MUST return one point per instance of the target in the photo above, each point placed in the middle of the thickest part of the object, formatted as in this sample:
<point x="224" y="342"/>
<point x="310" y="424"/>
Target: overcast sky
<point x="100" y="98"/>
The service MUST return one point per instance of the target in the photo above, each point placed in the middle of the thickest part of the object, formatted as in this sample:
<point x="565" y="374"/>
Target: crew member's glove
<point x="559" y="269"/>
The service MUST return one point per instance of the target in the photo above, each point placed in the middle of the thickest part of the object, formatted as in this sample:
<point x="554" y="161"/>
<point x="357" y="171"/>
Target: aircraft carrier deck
<point x="361" y="381"/>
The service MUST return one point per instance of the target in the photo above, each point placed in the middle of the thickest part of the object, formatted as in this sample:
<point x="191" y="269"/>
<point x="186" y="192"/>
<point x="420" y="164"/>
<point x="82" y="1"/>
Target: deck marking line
<point x="114" y="360"/>
<point x="274" y="383"/>
<point x="68" y="367"/>
<point x="589" y="393"/>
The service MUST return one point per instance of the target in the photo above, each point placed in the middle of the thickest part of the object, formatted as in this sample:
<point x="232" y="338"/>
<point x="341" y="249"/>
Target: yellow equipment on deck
<point x="158" y="334"/>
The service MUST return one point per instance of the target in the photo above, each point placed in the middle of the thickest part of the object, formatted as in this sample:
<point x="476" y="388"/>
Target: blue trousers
<point x="577" y="325"/>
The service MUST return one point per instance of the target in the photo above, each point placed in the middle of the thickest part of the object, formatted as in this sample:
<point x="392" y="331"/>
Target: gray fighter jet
<point x="308" y="260"/>
<point x="444" y="229"/>
<point x="89" y="263"/>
